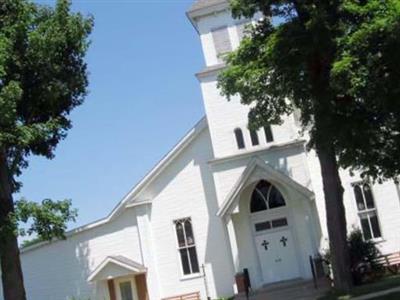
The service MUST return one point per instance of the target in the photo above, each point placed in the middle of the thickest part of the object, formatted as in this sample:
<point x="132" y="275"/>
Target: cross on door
<point x="283" y="241"/>
<point x="265" y="245"/>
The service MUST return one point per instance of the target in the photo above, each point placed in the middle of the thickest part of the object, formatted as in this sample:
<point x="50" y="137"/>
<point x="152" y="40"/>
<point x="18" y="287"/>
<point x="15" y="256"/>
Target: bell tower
<point x="220" y="34"/>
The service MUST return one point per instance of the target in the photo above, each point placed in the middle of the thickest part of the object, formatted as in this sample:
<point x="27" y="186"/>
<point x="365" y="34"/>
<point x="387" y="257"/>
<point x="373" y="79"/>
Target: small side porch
<point x="123" y="279"/>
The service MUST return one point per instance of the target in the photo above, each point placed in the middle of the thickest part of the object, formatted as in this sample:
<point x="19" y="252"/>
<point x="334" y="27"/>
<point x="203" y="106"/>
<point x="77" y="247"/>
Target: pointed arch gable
<point x="232" y="199"/>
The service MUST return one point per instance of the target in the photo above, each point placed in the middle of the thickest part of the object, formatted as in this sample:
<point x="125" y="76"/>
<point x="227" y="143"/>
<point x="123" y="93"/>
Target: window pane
<point x="263" y="187"/>
<point x="369" y="199"/>
<point x="365" y="227"/>
<point x="257" y="202"/>
<point x="275" y="198"/>
<point x="359" y="198"/>
<point x="254" y="138"/>
<point x="193" y="260"/>
<point x="375" y="226"/>
<point x="268" y="134"/>
<point x="279" y="223"/>
<point x="185" y="261"/>
<point x="262" y="226"/>
<point x="180" y="234"/>
<point x="189" y="232"/>
<point x="126" y="290"/>
<point x="239" y="138"/>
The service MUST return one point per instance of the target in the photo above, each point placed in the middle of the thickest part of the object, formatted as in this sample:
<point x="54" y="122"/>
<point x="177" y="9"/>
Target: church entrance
<point x="273" y="237"/>
<point x="277" y="256"/>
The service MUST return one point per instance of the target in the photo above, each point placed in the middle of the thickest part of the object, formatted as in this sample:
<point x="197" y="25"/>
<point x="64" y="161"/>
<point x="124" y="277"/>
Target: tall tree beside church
<point x="42" y="78"/>
<point x="336" y="63"/>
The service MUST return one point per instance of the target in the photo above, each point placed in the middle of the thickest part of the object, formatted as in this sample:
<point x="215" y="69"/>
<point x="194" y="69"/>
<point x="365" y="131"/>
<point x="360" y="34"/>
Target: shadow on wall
<point x="216" y="228"/>
<point x="61" y="269"/>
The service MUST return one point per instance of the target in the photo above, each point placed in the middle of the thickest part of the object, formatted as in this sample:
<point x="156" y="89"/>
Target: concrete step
<point x="295" y="289"/>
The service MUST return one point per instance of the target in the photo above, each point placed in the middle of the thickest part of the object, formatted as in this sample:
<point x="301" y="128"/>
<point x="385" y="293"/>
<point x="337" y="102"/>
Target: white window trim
<point x="367" y="211"/>
<point x="220" y="56"/>
<point x="272" y="229"/>
<point x="178" y="248"/>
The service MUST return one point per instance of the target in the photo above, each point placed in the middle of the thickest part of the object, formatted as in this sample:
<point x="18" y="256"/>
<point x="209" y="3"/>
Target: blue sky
<point x="143" y="98"/>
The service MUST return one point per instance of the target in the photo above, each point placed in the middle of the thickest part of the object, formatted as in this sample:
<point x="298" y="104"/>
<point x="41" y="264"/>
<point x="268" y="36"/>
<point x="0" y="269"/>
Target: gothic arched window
<point x="239" y="138"/>
<point x="269" y="137"/>
<point x="254" y="137"/>
<point x="265" y="196"/>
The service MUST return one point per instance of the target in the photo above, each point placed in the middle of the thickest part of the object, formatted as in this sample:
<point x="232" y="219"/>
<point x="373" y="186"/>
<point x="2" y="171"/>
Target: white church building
<point x="222" y="200"/>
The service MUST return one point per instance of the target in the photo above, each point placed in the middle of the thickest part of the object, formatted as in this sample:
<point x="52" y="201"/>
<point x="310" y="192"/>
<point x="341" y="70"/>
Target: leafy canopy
<point x="43" y="76"/>
<point x="334" y="60"/>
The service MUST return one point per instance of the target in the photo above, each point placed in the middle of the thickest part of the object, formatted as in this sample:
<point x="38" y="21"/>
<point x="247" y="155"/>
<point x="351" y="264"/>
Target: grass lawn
<point x="383" y="284"/>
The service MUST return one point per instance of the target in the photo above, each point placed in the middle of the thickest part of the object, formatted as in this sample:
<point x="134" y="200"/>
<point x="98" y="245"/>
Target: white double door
<point x="277" y="254"/>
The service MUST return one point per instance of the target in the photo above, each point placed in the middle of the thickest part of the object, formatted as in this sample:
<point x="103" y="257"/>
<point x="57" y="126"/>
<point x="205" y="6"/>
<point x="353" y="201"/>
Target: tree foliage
<point x="43" y="77"/>
<point x="47" y="219"/>
<point x="364" y="257"/>
<point x="348" y="46"/>
<point x="335" y="63"/>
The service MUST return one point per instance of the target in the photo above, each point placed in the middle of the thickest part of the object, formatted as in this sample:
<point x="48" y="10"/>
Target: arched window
<point x="254" y="137"/>
<point x="367" y="211"/>
<point x="268" y="134"/>
<point x="265" y="196"/>
<point x="187" y="246"/>
<point x="239" y="138"/>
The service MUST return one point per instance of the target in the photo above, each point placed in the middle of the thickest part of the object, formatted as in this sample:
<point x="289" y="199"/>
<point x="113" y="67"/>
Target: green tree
<point x="336" y="63"/>
<point x="42" y="78"/>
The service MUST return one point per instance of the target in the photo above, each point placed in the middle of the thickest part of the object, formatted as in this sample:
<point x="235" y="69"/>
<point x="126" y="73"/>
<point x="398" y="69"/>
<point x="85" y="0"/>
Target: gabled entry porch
<point x="124" y="278"/>
<point x="272" y="224"/>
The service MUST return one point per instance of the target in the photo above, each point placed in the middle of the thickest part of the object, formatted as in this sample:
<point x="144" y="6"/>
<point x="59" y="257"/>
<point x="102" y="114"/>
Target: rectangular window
<point x="222" y="42"/>
<point x="263" y="226"/>
<point x="279" y="222"/>
<point x="186" y="246"/>
<point x="367" y="211"/>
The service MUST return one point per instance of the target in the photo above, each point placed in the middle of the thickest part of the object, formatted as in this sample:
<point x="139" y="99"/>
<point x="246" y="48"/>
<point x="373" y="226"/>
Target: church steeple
<point x="219" y="34"/>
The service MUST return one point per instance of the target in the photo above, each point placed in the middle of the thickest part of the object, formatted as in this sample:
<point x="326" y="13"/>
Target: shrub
<point x="363" y="257"/>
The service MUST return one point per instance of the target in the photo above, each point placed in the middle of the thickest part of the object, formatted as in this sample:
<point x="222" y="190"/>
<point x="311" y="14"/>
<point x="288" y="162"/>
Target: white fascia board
<point x="116" y="262"/>
<point x="204" y="11"/>
<point x="255" y="162"/>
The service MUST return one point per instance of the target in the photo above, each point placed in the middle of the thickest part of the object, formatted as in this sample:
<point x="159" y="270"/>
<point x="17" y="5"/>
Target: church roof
<point x="130" y="197"/>
<point x="270" y="173"/>
<point x="200" y="4"/>
<point x="127" y="266"/>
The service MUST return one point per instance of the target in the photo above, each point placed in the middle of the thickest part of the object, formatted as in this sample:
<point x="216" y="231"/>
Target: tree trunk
<point x="336" y="217"/>
<point x="11" y="272"/>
